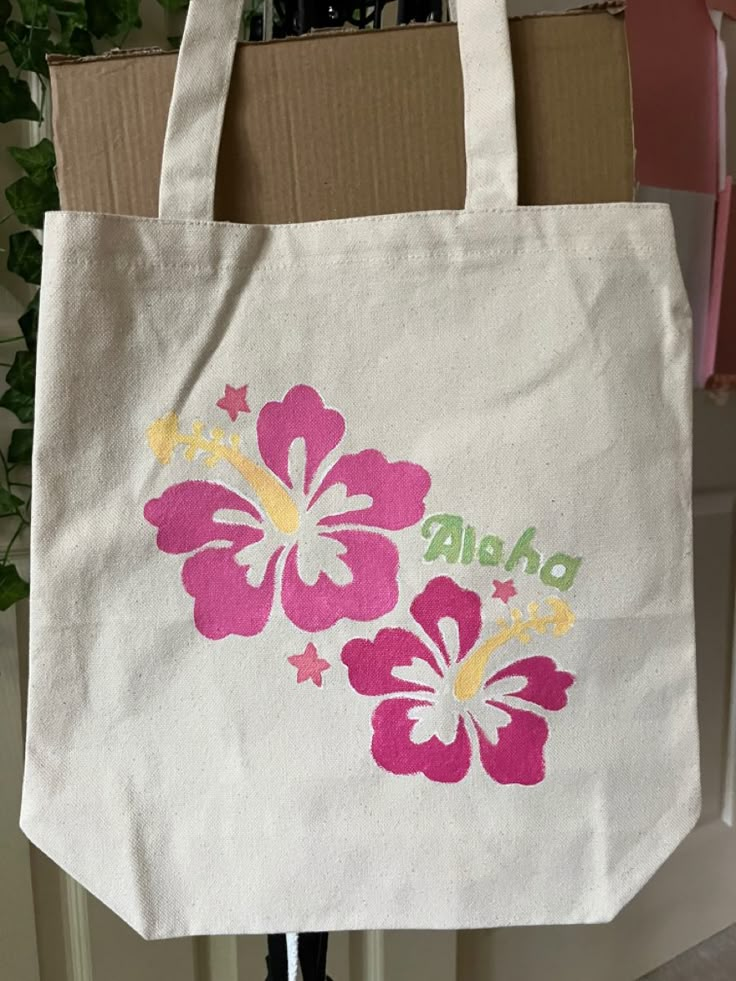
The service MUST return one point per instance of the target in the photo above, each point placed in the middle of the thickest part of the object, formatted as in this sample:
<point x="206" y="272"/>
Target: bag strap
<point x="203" y="73"/>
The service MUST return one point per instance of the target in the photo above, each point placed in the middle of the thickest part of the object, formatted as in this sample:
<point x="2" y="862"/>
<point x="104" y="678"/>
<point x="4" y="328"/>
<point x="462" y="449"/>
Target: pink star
<point x="309" y="666"/>
<point x="234" y="401"/>
<point x="503" y="590"/>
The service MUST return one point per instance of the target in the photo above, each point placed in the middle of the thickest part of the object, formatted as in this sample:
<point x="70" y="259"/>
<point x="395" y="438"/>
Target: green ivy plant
<point x="29" y="31"/>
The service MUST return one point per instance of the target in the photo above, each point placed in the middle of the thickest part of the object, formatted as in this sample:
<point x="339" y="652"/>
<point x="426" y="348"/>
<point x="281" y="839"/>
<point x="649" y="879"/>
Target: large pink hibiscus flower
<point x="306" y="525"/>
<point x="444" y="695"/>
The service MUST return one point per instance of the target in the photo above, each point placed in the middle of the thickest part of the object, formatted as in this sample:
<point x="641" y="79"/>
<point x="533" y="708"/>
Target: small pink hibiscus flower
<point x="443" y="697"/>
<point x="307" y="529"/>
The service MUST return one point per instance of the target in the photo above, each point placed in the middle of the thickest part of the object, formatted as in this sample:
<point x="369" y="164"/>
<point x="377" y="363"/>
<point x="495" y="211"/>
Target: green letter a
<point x="564" y="579"/>
<point x="448" y="538"/>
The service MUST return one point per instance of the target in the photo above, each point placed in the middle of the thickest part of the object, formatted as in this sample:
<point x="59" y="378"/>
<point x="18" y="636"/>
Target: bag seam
<point x="157" y="263"/>
<point x="652" y="206"/>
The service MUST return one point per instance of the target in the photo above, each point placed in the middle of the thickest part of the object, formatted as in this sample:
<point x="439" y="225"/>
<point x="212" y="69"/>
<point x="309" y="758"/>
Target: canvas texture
<point x="361" y="563"/>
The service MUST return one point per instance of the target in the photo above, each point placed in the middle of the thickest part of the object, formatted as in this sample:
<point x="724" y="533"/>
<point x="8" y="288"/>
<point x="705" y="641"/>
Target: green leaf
<point x="111" y="18"/>
<point x="6" y="9"/>
<point x="21" y="446"/>
<point x="12" y="586"/>
<point x="71" y="15"/>
<point x="174" y="41"/>
<point x="77" y="42"/>
<point x="30" y="200"/>
<point x="24" y="257"/>
<point x="74" y="38"/>
<point x="101" y="20"/>
<point x="28" y="323"/>
<point x="27" y="46"/>
<point x="34" y="12"/>
<point x="37" y="161"/>
<point x="22" y="373"/>
<point x="21" y="405"/>
<point x="8" y="501"/>
<point x="15" y="99"/>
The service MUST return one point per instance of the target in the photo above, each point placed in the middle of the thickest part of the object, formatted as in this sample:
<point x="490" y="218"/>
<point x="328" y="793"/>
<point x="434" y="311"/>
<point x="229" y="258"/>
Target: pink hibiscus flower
<point x="308" y="526"/>
<point x="442" y="696"/>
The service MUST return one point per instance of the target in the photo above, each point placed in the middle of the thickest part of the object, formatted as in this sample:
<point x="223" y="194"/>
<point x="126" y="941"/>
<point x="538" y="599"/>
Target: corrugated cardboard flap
<point x="339" y="124"/>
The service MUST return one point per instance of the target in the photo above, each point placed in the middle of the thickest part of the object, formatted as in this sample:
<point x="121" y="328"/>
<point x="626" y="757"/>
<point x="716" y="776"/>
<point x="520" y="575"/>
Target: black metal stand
<point x="302" y="16"/>
<point x="312" y="957"/>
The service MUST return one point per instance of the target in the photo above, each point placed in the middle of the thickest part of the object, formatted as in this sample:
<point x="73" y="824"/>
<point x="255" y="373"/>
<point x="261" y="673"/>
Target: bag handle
<point x="204" y="69"/>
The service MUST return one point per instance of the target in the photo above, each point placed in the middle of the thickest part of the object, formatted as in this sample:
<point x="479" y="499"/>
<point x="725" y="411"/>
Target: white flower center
<point x="441" y="715"/>
<point x="316" y="552"/>
<point x="438" y="719"/>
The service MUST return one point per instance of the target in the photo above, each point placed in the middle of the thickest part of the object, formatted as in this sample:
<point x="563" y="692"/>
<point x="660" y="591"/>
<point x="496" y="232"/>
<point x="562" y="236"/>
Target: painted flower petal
<point x="540" y="682"/>
<point x="393" y="749"/>
<point x="517" y="756"/>
<point x="184" y="516"/>
<point x="301" y="415"/>
<point x="397" y="490"/>
<point x="225" y="602"/>
<point x="443" y="598"/>
<point x="371" y="663"/>
<point x="373" y="561"/>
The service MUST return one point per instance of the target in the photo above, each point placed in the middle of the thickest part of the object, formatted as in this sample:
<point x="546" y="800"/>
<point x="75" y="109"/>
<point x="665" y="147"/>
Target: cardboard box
<point x="343" y="124"/>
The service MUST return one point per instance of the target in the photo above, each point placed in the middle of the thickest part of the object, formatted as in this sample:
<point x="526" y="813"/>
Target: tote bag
<point x="361" y="561"/>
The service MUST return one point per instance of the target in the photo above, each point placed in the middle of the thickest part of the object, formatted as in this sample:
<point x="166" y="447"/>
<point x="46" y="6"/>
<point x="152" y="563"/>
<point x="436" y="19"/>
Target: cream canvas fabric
<point x="361" y="561"/>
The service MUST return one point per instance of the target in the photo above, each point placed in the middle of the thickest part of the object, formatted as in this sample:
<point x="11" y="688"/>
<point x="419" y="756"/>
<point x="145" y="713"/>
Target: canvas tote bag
<point x="361" y="564"/>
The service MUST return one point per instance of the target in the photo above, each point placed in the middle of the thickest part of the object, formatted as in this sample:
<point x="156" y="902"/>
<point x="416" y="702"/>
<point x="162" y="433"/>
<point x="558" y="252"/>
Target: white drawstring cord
<point x="292" y="955"/>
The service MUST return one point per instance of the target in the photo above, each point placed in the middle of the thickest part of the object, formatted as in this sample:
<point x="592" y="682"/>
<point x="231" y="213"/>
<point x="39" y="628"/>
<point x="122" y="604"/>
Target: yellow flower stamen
<point x="164" y="435"/>
<point x="472" y="672"/>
